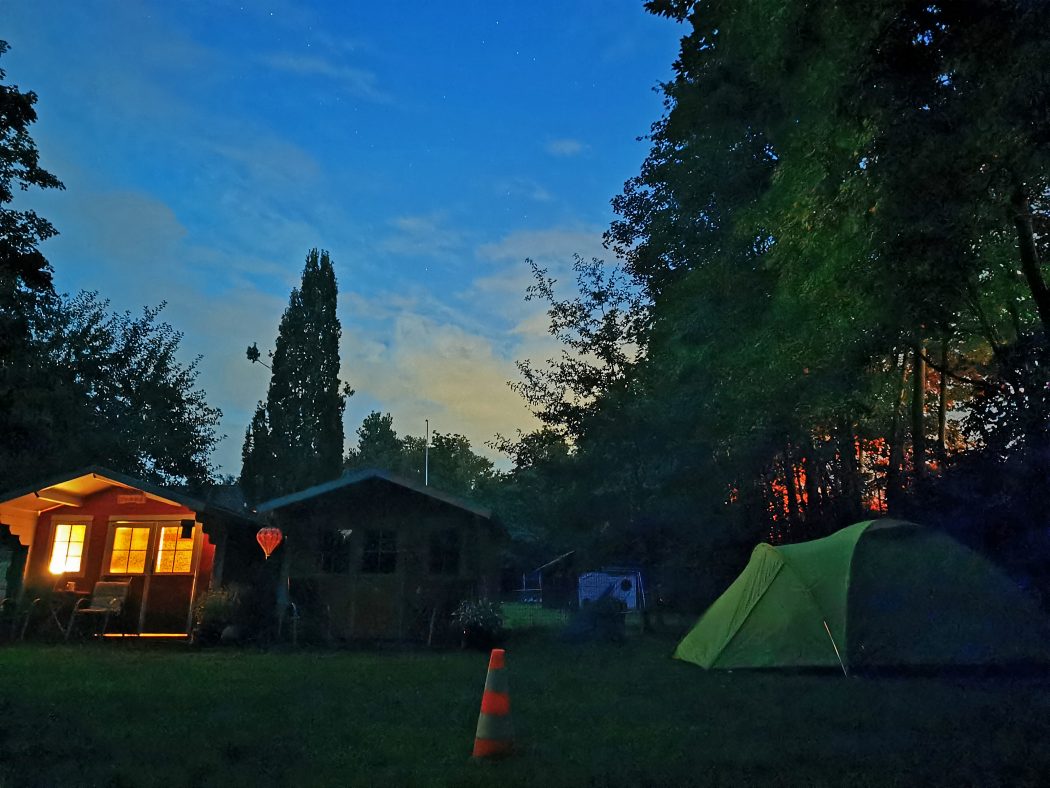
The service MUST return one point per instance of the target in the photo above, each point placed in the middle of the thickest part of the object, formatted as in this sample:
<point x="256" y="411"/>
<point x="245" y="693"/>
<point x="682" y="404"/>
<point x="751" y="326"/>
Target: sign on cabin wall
<point x="131" y="498"/>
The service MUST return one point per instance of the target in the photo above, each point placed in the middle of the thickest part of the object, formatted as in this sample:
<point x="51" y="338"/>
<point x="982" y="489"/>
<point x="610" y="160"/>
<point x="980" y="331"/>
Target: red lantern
<point x="268" y="539"/>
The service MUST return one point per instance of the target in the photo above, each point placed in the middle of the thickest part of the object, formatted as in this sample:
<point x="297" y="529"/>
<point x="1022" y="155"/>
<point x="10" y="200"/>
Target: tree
<point x="80" y="385"/>
<point x="454" y="466"/>
<point x="25" y="275"/>
<point x="597" y="329"/>
<point x="24" y="271"/>
<point x="257" y="461"/>
<point x="377" y="444"/>
<point x="108" y="389"/>
<point x="838" y="232"/>
<point x="305" y="402"/>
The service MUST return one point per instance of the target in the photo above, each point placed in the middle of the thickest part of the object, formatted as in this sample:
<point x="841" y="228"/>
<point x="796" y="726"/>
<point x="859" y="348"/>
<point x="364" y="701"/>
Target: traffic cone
<point x="495" y="736"/>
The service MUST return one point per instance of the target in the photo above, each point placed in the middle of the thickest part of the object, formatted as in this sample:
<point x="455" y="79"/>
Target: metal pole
<point x="835" y="646"/>
<point x="426" y="456"/>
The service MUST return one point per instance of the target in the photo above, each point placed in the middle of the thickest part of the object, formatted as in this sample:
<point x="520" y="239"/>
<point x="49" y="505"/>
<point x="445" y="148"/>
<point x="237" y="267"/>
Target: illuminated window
<point x="130" y="543"/>
<point x="68" y="549"/>
<point x="175" y="553"/>
<point x="380" y="553"/>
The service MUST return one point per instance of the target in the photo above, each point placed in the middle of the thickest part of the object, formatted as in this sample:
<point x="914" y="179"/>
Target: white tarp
<point x="625" y="586"/>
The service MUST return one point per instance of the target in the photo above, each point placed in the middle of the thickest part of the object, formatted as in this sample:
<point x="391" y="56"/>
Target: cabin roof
<point x="352" y="478"/>
<point x="70" y="489"/>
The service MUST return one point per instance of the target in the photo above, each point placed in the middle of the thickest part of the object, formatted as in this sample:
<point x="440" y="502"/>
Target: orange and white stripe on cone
<point x="495" y="736"/>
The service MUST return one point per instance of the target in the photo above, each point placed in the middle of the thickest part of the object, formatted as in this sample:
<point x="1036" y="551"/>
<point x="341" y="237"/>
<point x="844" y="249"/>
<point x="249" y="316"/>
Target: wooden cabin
<point x="67" y="533"/>
<point x="373" y="555"/>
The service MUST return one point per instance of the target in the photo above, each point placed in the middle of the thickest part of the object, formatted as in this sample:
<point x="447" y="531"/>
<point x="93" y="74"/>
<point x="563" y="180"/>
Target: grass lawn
<point x="128" y="714"/>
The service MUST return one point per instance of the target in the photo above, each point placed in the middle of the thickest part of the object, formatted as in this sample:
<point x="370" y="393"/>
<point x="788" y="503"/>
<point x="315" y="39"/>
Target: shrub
<point x="480" y="621"/>
<point x="215" y="611"/>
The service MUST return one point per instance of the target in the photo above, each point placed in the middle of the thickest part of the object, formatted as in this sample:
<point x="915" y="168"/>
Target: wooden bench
<point x="108" y="599"/>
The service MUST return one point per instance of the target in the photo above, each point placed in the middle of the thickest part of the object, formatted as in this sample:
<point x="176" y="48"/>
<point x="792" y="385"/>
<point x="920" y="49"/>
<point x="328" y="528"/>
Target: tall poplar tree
<point x="296" y="440"/>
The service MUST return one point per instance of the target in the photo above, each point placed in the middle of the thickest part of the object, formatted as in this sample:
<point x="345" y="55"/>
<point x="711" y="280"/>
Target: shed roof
<point x="352" y="478"/>
<point x="70" y="489"/>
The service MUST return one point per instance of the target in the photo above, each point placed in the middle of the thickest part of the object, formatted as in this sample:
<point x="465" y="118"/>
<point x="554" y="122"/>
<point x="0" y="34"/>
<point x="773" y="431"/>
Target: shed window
<point x="175" y="552"/>
<point x="68" y="549"/>
<point x="444" y="552"/>
<point x="380" y="553"/>
<point x="130" y="544"/>
<point x="335" y="551"/>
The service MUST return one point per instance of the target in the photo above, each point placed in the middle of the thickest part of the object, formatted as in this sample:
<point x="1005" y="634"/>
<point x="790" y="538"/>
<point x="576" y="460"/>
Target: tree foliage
<point x="79" y="384"/>
<point x="24" y="271"/>
<point x="110" y="389"/>
<point x="453" y="465"/>
<point x="296" y="439"/>
<point x="838" y="235"/>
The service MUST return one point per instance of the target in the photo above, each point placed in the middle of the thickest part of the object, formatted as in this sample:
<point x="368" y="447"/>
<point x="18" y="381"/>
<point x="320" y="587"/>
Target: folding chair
<point x="107" y="600"/>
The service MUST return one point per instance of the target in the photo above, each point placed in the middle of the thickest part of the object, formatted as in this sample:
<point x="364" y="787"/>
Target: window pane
<point x="118" y="562"/>
<point x="175" y="554"/>
<point x="165" y="558"/>
<point x="68" y="548"/>
<point x="121" y="539"/>
<point x="129" y="549"/>
<point x="58" y="559"/>
<point x="380" y="553"/>
<point x="137" y="561"/>
<point x="139" y="538"/>
<point x="183" y="561"/>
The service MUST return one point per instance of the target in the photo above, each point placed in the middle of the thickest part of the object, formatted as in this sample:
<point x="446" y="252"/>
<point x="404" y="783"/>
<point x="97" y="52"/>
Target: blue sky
<point x="430" y="147"/>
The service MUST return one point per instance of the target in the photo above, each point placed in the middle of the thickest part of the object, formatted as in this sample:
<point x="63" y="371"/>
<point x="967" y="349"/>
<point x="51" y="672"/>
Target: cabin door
<point x="160" y="558"/>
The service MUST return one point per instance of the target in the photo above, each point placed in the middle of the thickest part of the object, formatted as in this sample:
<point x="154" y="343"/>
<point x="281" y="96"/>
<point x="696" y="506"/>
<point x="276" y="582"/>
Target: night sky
<point x="430" y="147"/>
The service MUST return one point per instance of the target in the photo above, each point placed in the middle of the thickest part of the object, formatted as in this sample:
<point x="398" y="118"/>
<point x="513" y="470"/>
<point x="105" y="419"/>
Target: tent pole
<point x="841" y="664"/>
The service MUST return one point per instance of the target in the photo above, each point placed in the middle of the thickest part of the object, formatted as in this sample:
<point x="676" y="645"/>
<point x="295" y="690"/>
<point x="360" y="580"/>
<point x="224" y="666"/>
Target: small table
<point x="61" y="604"/>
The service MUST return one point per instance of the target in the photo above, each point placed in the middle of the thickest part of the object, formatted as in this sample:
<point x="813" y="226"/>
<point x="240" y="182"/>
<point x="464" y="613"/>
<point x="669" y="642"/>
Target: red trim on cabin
<point x="169" y="600"/>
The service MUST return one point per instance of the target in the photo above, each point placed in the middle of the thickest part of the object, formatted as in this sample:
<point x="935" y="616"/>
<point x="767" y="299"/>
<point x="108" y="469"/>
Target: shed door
<point x="161" y="559"/>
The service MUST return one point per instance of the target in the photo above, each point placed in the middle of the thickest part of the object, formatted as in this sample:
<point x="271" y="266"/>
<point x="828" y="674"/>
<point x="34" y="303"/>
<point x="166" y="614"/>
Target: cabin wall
<point x="168" y="598"/>
<point x="412" y="602"/>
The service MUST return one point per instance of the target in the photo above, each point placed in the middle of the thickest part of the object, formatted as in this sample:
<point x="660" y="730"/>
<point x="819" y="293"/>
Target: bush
<point x="480" y="622"/>
<point x="216" y="610"/>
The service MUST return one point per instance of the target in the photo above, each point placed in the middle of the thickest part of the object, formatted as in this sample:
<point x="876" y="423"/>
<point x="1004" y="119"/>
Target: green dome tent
<point x="876" y="594"/>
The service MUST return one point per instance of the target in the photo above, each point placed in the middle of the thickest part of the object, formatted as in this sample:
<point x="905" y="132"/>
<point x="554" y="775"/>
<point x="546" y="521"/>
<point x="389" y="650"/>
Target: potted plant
<point x="480" y="623"/>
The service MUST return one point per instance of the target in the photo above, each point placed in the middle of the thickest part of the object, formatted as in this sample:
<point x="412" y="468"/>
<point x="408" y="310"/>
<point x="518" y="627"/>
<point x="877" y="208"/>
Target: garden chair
<point x="107" y="600"/>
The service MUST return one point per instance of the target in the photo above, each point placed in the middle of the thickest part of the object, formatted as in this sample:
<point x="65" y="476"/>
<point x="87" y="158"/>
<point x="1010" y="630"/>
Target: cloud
<point x="524" y="187"/>
<point x="135" y="249"/>
<point x="431" y="369"/>
<point x="565" y="147"/>
<point x="267" y="160"/>
<point x="121" y="227"/>
<point x="423" y="235"/>
<point x="355" y="81"/>
<point x="554" y="245"/>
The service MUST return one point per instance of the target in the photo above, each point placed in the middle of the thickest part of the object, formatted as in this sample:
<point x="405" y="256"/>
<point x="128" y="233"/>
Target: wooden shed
<point x="67" y="533"/>
<point x="377" y="556"/>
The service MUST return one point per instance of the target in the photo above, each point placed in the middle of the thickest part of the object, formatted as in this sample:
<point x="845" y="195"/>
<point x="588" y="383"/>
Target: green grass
<point x="518" y="616"/>
<point x="122" y="714"/>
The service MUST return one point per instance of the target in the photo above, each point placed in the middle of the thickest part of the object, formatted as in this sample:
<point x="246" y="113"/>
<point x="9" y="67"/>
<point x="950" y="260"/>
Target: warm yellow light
<point x="174" y="554"/>
<point x="68" y="548"/>
<point x="128" y="556"/>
